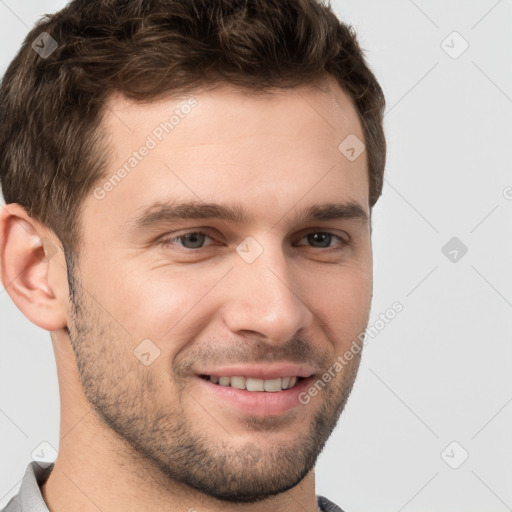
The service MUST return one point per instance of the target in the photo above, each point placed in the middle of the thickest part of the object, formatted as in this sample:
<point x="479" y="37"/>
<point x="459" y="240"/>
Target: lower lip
<point x="258" y="403"/>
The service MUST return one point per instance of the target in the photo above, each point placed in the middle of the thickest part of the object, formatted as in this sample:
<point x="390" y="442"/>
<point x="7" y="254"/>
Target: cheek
<point x="163" y="303"/>
<point x="342" y="301"/>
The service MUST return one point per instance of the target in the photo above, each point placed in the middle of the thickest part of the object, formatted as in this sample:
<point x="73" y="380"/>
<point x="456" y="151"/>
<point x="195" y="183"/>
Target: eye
<point x="195" y="240"/>
<point x="323" y="239"/>
<point x="190" y="240"/>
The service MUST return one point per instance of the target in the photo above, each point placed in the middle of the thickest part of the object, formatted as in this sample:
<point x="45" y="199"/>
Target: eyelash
<point x="167" y="242"/>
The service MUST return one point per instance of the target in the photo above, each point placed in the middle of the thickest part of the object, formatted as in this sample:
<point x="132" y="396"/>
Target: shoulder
<point x="327" y="506"/>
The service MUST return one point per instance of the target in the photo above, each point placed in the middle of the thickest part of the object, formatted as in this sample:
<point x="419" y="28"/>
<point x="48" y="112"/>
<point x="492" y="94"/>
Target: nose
<point x="266" y="297"/>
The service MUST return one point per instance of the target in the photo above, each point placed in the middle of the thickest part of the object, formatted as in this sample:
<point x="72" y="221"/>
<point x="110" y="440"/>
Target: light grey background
<point x="441" y="370"/>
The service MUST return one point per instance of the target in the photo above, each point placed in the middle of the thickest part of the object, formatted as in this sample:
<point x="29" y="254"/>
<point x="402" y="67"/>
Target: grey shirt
<point x="30" y="499"/>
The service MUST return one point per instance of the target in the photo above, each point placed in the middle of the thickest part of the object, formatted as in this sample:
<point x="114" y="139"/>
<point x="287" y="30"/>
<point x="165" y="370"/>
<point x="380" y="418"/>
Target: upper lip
<point x="266" y="372"/>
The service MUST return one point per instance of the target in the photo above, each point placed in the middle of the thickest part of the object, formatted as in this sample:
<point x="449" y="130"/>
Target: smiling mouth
<point x="253" y="384"/>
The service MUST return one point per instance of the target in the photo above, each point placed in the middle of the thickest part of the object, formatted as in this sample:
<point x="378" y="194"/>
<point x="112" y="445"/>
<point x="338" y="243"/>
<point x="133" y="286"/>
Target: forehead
<point x="218" y="113"/>
<point x="230" y="145"/>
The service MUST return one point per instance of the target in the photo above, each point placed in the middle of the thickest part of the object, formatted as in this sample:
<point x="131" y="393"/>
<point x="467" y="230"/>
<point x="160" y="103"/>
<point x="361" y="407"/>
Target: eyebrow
<point x="165" y="212"/>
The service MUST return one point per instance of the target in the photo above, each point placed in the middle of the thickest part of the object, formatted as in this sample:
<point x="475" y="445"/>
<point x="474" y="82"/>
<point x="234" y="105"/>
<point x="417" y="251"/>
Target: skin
<point x="137" y="437"/>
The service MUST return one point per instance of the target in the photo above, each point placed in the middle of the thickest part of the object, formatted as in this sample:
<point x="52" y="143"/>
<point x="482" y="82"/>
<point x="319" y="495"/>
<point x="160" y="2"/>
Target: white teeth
<point x="253" y="384"/>
<point x="238" y="382"/>
<point x="272" y="384"/>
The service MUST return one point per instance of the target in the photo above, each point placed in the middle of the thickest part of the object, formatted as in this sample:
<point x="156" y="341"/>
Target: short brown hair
<point x="52" y="151"/>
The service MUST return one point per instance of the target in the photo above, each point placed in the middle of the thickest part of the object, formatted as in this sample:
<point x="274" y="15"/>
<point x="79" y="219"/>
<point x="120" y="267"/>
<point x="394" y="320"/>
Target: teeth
<point x="225" y="381"/>
<point x="272" y="384"/>
<point x="238" y="382"/>
<point x="255" y="384"/>
<point x="252" y="384"/>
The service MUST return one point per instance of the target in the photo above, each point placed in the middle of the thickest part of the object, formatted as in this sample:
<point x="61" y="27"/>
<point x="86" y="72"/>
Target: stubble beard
<point x="124" y="396"/>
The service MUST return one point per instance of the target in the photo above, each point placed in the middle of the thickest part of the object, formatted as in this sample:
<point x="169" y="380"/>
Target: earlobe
<point x="26" y="253"/>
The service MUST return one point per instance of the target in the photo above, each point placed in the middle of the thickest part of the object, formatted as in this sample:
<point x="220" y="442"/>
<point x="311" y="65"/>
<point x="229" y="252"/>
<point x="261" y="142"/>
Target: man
<point x="188" y="190"/>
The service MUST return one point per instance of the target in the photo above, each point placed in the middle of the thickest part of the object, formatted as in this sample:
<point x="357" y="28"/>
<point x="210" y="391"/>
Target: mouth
<point x="247" y="395"/>
<point x="253" y="384"/>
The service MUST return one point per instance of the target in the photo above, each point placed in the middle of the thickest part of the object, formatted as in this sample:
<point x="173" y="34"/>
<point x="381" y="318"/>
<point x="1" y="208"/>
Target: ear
<point x="29" y="254"/>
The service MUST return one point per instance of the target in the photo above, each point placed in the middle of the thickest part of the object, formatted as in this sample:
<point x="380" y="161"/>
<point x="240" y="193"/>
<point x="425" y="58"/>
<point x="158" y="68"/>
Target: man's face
<point x="155" y="312"/>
